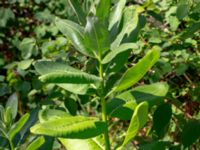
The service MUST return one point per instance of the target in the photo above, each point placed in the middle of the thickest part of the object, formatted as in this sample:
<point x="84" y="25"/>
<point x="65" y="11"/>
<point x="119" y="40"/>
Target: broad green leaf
<point x="69" y="77"/>
<point x="133" y="36"/>
<point x="117" y="63"/>
<point x="87" y="144"/>
<point x="155" y="145"/>
<point x="103" y="9"/>
<point x="174" y="23"/>
<point x="4" y="89"/>
<point x="115" y="52"/>
<point x="6" y="15"/>
<point x="75" y="33"/>
<point x="135" y="73"/>
<point x="80" y="89"/>
<point x="130" y="21"/>
<point x="46" y="66"/>
<point x="190" y="31"/>
<point x="18" y="126"/>
<point x="77" y="127"/>
<point x="161" y="119"/>
<point x="36" y="144"/>
<point x="96" y="36"/>
<point x="25" y="64"/>
<point x="51" y="114"/>
<point x="153" y="94"/>
<point x="190" y="132"/>
<point x="182" y="11"/>
<point x="13" y="104"/>
<point x="71" y="106"/>
<point x="76" y="6"/>
<point x="138" y="120"/>
<point x="116" y="15"/>
<point x="28" y="48"/>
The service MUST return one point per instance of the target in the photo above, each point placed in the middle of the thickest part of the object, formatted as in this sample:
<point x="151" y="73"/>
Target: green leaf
<point x="51" y="114"/>
<point x="71" y="105"/>
<point x="115" y="52"/>
<point x="161" y="119"/>
<point x="96" y="36"/>
<point x="153" y="94"/>
<point x="75" y="33"/>
<point x="190" y="132"/>
<point x="87" y="144"/>
<point x="77" y="127"/>
<point x="25" y="64"/>
<point x="116" y="15"/>
<point x="103" y="9"/>
<point x="182" y="11"/>
<point x="28" y="48"/>
<point x="135" y="73"/>
<point x="138" y="120"/>
<point x="69" y="77"/>
<point x="36" y="144"/>
<point x="13" y="104"/>
<point x="6" y="15"/>
<point x="45" y="67"/>
<point x="76" y="6"/>
<point x="80" y="89"/>
<point x="18" y="126"/>
<point x="7" y="116"/>
<point x="173" y="22"/>
<point x="130" y="21"/>
<point x="189" y="32"/>
<point x="155" y="145"/>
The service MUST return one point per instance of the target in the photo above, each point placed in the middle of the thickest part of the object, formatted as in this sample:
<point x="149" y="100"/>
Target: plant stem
<point x="103" y="107"/>
<point x="11" y="144"/>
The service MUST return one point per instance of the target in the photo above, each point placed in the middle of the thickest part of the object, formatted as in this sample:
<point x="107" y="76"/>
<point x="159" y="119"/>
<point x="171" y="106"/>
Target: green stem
<point x="11" y="144"/>
<point x="103" y="105"/>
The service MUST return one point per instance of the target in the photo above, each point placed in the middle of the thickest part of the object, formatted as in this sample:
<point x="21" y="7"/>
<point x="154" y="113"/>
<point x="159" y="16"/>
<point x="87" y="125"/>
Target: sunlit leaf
<point x="135" y="73"/>
<point x="77" y="127"/>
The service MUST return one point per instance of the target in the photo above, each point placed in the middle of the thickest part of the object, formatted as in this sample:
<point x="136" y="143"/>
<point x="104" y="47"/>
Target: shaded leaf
<point x="76" y="6"/>
<point x="189" y="32"/>
<point x="13" y="104"/>
<point x="182" y="11"/>
<point x="71" y="105"/>
<point x="190" y="132"/>
<point x="161" y="119"/>
<point x="122" y="105"/>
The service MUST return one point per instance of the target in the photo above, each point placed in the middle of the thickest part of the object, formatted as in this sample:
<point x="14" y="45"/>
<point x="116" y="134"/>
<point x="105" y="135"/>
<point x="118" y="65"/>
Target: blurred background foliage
<point x="28" y="33"/>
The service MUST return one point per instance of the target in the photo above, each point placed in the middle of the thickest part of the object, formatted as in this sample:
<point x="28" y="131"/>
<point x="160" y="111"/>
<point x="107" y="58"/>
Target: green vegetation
<point x="99" y="74"/>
